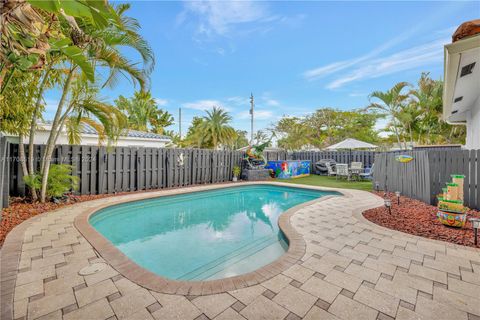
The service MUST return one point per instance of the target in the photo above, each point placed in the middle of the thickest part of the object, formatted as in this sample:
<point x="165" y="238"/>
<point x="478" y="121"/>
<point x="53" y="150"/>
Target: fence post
<point x="4" y="173"/>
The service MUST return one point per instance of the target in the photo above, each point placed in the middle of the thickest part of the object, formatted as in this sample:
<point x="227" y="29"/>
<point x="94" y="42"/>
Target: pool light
<point x="476" y="226"/>
<point x="388" y="205"/>
<point x="397" y="193"/>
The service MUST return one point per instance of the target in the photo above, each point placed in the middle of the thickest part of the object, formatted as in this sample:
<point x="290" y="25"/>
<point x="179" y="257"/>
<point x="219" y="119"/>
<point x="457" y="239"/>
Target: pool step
<point x="209" y="269"/>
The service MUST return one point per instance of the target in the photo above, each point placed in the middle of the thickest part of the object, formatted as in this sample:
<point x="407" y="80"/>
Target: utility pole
<point x="180" y="122"/>
<point x="252" y="104"/>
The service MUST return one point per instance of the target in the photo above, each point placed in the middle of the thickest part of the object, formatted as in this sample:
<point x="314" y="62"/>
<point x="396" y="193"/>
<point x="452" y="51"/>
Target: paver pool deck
<point x="351" y="269"/>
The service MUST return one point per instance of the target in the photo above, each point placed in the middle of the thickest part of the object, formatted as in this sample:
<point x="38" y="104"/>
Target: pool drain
<point x="93" y="268"/>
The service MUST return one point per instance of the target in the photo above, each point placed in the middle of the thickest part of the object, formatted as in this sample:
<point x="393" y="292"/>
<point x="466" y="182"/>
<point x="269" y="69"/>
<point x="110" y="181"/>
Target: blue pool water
<point x="203" y="235"/>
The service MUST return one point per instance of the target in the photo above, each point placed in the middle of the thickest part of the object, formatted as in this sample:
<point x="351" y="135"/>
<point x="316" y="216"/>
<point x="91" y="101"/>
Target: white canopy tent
<point x="350" y="144"/>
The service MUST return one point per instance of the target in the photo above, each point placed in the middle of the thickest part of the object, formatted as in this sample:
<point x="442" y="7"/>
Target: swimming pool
<point x="203" y="235"/>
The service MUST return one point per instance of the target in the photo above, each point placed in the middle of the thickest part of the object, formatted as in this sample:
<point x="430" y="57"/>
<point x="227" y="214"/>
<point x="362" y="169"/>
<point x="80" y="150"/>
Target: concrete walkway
<point x="352" y="269"/>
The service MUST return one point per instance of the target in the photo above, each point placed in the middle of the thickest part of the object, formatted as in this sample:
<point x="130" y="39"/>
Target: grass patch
<point x="331" y="182"/>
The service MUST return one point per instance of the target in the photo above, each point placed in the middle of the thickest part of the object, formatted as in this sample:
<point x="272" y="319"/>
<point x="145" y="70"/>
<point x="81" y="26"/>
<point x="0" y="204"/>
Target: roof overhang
<point x="455" y="53"/>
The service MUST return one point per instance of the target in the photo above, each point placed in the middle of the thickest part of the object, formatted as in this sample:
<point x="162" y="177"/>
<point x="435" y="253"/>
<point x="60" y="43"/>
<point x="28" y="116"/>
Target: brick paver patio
<point x="352" y="269"/>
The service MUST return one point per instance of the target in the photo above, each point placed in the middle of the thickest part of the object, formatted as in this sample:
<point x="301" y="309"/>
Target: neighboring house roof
<point x="462" y="72"/>
<point x="87" y="129"/>
<point x="466" y="29"/>
<point x="351" y="144"/>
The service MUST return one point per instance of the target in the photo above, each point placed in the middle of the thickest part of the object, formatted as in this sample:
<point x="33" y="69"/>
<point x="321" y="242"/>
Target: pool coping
<point x="147" y="279"/>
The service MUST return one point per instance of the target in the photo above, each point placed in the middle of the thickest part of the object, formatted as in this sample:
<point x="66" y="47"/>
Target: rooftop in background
<point x="131" y="138"/>
<point x="87" y="129"/>
<point x="351" y="144"/>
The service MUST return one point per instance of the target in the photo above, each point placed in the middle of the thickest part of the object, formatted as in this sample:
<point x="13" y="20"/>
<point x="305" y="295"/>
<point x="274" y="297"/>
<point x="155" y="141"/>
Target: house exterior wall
<point x="41" y="137"/>
<point x="473" y="127"/>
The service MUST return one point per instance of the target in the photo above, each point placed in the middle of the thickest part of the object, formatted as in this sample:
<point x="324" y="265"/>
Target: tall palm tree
<point x="391" y="102"/>
<point x="101" y="48"/>
<point x="215" y="127"/>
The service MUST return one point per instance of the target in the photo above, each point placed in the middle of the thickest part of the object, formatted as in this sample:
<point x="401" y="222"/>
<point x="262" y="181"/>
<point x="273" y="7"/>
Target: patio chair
<point x="342" y="171"/>
<point x="368" y="174"/>
<point x="357" y="166"/>
<point x="330" y="170"/>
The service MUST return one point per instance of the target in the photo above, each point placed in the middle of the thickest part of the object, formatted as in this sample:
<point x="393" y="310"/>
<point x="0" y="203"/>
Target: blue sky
<point x="294" y="56"/>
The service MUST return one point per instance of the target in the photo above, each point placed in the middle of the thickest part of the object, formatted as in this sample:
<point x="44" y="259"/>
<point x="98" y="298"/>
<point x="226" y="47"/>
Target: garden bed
<point x="417" y="218"/>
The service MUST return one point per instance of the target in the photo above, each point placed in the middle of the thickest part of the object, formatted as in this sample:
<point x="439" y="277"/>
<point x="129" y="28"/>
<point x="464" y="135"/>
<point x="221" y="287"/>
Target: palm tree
<point x="143" y="113"/>
<point x="391" y="103"/>
<point x="101" y="48"/>
<point x="428" y="98"/>
<point x="161" y="120"/>
<point x="90" y="110"/>
<point x="215" y="128"/>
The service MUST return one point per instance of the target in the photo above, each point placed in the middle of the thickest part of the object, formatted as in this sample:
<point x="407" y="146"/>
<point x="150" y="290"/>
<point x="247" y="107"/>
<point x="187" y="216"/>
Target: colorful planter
<point x="458" y="179"/>
<point x="451" y="206"/>
<point x="452" y="219"/>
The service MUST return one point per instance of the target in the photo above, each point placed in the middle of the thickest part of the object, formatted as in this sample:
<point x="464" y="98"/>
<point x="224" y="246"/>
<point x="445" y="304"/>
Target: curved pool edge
<point x="149" y="280"/>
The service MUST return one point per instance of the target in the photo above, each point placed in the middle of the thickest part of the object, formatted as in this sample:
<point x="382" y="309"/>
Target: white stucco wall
<point x="473" y="127"/>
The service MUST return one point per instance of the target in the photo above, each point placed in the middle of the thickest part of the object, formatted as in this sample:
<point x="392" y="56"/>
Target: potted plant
<point x="236" y="173"/>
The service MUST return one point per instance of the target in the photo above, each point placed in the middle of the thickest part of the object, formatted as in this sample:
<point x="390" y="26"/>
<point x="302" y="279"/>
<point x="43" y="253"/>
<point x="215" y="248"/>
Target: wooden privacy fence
<point x="425" y="176"/>
<point x="366" y="157"/>
<point x="4" y="174"/>
<point x="130" y="169"/>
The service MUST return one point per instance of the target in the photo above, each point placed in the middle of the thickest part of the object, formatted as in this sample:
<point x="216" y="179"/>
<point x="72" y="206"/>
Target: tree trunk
<point x="47" y="157"/>
<point x="23" y="163"/>
<point x="411" y="135"/>
<point x="395" y="130"/>
<point x="33" y="126"/>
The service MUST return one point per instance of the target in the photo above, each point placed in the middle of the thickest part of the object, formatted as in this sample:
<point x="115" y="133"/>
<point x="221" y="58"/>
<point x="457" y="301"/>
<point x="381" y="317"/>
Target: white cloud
<point x="272" y="102"/>
<point x="220" y="17"/>
<point x="369" y="59"/>
<point x="203" y="105"/>
<point x="408" y="59"/>
<point x="334" y="67"/>
<point x="240" y="101"/>
<point x="381" y="125"/>
<point x="358" y="94"/>
<point x="259" y="115"/>
<point x="161" y="102"/>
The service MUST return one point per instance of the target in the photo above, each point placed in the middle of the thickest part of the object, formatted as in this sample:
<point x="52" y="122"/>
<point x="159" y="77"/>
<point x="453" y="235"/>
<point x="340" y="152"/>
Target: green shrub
<point x="34" y="181"/>
<point x="59" y="182"/>
<point x="236" y="171"/>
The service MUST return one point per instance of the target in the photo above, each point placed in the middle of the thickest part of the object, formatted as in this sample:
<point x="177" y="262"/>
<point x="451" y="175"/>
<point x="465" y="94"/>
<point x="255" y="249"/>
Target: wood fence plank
<point x="111" y="171"/>
<point x="101" y="170"/>
<point x="85" y="170"/>
<point x="93" y="169"/>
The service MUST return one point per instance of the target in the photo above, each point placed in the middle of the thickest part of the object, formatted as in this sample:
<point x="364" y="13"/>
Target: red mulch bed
<point x="417" y="218"/>
<point x="20" y="210"/>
